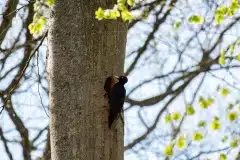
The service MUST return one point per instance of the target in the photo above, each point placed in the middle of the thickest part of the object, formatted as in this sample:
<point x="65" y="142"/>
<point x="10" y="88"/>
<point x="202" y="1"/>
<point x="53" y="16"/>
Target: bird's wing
<point x="118" y="94"/>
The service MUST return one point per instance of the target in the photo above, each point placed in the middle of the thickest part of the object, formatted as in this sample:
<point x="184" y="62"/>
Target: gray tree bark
<point x="83" y="52"/>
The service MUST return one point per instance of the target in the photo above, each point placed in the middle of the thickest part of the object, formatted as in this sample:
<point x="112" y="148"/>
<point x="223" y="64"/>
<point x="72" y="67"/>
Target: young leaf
<point x="196" y="19"/>
<point x="190" y="110"/>
<point x="181" y="142"/>
<point x="36" y="5"/>
<point x="230" y="106"/>
<point x="168" y="118"/>
<point x="168" y="151"/>
<point x="130" y="2"/>
<point x="176" y="116"/>
<point x="232" y="49"/>
<point x="177" y="24"/>
<point x="50" y="2"/>
<point x="223" y="156"/>
<point x="197" y="136"/>
<point x="234" y="143"/>
<point x="99" y="13"/>
<point x="232" y="116"/>
<point x="225" y="92"/>
<point x="202" y="124"/>
<point x="238" y="57"/>
<point x="215" y="125"/>
<point x="221" y="60"/>
<point x="126" y="15"/>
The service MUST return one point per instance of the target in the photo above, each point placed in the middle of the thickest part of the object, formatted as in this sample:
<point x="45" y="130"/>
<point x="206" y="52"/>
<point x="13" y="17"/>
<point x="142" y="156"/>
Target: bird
<point x="117" y="96"/>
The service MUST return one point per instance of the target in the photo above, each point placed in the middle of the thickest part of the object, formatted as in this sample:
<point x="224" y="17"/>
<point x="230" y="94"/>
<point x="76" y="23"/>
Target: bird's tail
<point x="111" y="118"/>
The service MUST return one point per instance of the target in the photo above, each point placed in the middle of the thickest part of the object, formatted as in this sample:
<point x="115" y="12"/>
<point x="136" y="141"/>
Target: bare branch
<point x="5" y="145"/>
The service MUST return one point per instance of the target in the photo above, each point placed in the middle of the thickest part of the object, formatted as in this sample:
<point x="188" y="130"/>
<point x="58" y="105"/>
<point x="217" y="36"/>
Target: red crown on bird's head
<point x="122" y="79"/>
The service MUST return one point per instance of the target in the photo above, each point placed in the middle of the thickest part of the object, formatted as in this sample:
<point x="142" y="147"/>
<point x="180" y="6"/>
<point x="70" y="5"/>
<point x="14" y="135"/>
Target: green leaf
<point x="121" y="2"/>
<point x="168" y="118"/>
<point x="234" y="143"/>
<point x="37" y="26"/>
<point x="196" y="19"/>
<point x="202" y="103"/>
<point x="99" y="13"/>
<point x="176" y="116"/>
<point x="197" y="136"/>
<point x="210" y="101"/>
<point x="181" y="142"/>
<point x="113" y="14"/>
<point x="223" y="156"/>
<point x="126" y="15"/>
<point x="225" y="92"/>
<point x="232" y="116"/>
<point x="107" y="14"/>
<point x="219" y="19"/>
<point x="216" y="118"/>
<point x="50" y="2"/>
<point x="130" y="2"/>
<point x="202" y="124"/>
<point x="205" y="103"/>
<point x="232" y="49"/>
<point x="42" y="20"/>
<point x="36" y="17"/>
<point x="222" y="10"/>
<point x="223" y="52"/>
<point x="190" y="110"/>
<point x="238" y="42"/>
<point x="31" y="28"/>
<point x="230" y="106"/>
<point x="177" y="24"/>
<point x="234" y="6"/>
<point x="221" y="60"/>
<point x="121" y="5"/>
<point x="238" y="57"/>
<point x="36" y="5"/>
<point x="215" y="125"/>
<point x="168" y="151"/>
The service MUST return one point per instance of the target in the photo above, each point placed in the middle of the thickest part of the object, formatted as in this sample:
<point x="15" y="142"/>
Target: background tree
<point x="181" y="61"/>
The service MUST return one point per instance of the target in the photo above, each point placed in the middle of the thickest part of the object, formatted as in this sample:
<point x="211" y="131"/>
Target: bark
<point x="47" y="150"/>
<point x="83" y="52"/>
<point x="8" y="15"/>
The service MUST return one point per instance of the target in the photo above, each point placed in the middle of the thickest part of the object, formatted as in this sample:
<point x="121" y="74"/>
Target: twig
<point x="22" y="73"/>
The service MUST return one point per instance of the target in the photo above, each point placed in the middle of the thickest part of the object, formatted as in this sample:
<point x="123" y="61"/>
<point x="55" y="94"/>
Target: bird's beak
<point x="117" y="77"/>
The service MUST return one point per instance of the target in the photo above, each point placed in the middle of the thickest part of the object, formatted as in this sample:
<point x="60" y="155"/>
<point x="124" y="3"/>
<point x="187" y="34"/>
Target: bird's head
<point x="122" y="79"/>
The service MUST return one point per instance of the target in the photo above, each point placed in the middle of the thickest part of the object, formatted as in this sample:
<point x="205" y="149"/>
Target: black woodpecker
<point x="116" y="99"/>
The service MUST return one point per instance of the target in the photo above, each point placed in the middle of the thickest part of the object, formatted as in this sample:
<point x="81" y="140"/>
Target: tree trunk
<point x="83" y="52"/>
